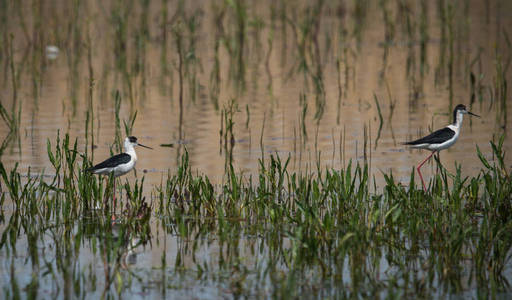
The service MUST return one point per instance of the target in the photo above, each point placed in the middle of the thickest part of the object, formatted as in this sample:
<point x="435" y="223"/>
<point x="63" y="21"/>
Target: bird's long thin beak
<point x="144" y="146"/>
<point x="473" y="114"/>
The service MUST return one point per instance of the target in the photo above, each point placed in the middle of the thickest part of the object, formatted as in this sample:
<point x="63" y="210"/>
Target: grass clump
<point x="317" y="233"/>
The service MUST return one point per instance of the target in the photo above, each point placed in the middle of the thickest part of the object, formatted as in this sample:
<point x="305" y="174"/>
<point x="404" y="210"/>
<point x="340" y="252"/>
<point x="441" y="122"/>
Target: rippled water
<point x="421" y="103"/>
<point x="351" y="67"/>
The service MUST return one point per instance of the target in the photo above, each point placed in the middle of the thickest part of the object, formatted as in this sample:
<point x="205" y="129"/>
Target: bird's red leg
<point x="438" y="159"/>
<point x="114" y="212"/>
<point x="419" y="172"/>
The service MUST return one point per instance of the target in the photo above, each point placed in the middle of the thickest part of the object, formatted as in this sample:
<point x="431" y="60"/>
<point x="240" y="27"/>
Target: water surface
<point x="298" y="80"/>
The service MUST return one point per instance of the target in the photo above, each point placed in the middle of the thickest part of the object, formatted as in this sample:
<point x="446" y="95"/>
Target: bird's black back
<point x="436" y="137"/>
<point x="112" y="162"/>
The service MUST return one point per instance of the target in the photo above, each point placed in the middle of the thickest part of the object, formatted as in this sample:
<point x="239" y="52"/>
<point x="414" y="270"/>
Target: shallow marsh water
<point x="322" y="83"/>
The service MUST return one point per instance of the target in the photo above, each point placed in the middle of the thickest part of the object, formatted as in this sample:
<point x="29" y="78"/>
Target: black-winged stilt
<point x="442" y="138"/>
<point x="119" y="164"/>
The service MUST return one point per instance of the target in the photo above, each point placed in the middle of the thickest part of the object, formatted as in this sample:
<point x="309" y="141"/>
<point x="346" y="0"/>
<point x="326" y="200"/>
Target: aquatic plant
<point x="326" y="224"/>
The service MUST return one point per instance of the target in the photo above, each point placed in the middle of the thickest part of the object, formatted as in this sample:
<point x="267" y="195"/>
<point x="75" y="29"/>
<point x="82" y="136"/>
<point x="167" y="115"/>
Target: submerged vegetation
<point x="264" y="92"/>
<point x="327" y="233"/>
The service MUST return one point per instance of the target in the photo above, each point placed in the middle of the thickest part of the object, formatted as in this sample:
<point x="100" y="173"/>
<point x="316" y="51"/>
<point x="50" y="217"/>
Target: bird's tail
<point x="90" y="170"/>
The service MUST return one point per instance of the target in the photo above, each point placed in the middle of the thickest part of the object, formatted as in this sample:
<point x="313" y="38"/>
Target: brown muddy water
<point x="233" y="82"/>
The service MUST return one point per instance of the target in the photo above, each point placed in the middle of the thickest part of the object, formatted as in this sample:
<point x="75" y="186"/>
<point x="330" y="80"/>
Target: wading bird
<point x="442" y="138"/>
<point x="119" y="164"/>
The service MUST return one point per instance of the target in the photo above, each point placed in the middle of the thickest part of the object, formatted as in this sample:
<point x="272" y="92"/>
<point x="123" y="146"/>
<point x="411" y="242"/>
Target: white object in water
<point x="52" y="52"/>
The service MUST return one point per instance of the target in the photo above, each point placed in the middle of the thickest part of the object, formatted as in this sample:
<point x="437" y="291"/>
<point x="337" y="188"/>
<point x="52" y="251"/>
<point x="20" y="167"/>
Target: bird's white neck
<point x="129" y="149"/>
<point x="458" y="119"/>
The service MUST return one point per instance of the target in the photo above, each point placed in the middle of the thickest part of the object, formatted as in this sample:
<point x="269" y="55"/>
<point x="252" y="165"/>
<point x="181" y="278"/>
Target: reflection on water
<point x="312" y="95"/>
<point x="232" y="82"/>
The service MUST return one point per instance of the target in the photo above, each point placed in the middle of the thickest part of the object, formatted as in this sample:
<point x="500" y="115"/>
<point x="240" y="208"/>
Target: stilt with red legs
<point x="119" y="164"/>
<point x="442" y="138"/>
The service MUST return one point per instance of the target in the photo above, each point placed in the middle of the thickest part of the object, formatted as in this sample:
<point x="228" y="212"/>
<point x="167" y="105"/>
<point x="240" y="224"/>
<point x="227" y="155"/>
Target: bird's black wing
<point x="436" y="137"/>
<point x="112" y="162"/>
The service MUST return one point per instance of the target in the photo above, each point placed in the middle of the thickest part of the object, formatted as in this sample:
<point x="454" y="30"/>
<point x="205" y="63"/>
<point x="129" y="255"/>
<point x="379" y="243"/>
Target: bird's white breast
<point x="124" y="168"/>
